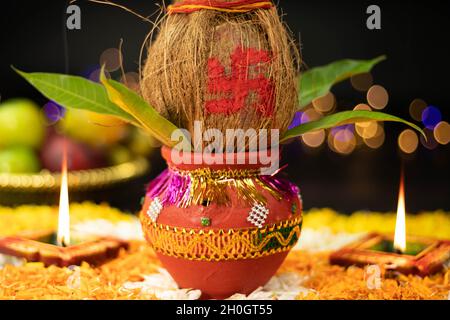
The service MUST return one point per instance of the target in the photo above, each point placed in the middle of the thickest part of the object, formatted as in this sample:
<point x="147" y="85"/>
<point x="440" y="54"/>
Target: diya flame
<point x="63" y="234"/>
<point x="400" y="224"/>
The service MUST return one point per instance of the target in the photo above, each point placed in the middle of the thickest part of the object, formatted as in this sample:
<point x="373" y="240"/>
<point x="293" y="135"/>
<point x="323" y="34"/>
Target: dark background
<point x="414" y="36"/>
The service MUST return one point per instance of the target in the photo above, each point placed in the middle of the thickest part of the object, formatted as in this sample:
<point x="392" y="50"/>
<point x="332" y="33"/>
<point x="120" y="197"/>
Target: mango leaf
<point x="148" y="118"/>
<point x="75" y="92"/>
<point x="317" y="82"/>
<point x="341" y="118"/>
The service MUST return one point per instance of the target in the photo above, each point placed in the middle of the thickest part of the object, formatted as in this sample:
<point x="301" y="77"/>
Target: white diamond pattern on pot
<point x="154" y="209"/>
<point x="258" y="215"/>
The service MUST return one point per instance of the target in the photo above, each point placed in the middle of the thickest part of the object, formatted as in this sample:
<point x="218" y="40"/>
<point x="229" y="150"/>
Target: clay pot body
<point x="221" y="248"/>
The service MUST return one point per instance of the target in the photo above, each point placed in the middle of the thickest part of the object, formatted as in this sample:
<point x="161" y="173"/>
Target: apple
<point x="19" y="159"/>
<point x="21" y="124"/>
<point x="79" y="156"/>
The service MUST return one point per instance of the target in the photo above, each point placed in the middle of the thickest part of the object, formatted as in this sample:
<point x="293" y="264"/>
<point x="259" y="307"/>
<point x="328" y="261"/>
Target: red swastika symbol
<point x="247" y="75"/>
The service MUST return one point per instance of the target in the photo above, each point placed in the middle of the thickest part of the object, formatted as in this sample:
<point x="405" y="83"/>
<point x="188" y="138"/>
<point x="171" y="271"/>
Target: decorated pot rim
<point x="187" y="161"/>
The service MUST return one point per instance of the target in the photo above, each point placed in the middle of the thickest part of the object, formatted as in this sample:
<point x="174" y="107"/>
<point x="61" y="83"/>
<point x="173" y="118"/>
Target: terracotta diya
<point x="38" y="250"/>
<point x="55" y="249"/>
<point x="423" y="257"/>
<point x="406" y="254"/>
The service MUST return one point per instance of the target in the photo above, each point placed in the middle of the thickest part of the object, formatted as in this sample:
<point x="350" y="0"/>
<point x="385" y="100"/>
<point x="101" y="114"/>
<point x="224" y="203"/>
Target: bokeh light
<point x="348" y="127"/>
<point x="330" y="141"/>
<point x="324" y="104"/>
<point x="360" y="125"/>
<point x="53" y="112"/>
<point x="408" y="141"/>
<point x="378" y="97"/>
<point x="310" y="115"/>
<point x="297" y="120"/>
<point x="359" y="140"/>
<point x="363" y="106"/>
<point x="442" y="132"/>
<point x="378" y="140"/>
<point x="431" y="116"/>
<point x="362" y="82"/>
<point x="430" y="143"/>
<point x="367" y="129"/>
<point x="314" y="139"/>
<point x="131" y="80"/>
<point x="344" y="141"/>
<point x="95" y="75"/>
<point x="110" y="58"/>
<point x="416" y="108"/>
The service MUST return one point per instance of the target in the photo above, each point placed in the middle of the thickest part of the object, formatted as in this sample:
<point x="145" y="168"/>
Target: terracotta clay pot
<point x="223" y="229"/>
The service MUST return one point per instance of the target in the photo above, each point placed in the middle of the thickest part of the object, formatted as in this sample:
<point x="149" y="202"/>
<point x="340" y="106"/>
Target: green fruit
<point x="93" y="129"/>
<point x="18" y="160"/>
<point x="21" y="124"/>
<point x="119" y="155"/>
<point x="141" y="143"/>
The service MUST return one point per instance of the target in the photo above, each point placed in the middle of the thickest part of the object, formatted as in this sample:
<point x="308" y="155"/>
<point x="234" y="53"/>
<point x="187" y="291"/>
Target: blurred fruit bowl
<point x="82" y="180"/>
<point x="102" y="152"/>
<point x="94" y="184"/>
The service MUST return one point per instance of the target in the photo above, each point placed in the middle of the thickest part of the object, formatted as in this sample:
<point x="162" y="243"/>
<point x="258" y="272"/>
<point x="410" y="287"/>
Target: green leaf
<point x="317" y="82"/>
<point x="149" y="119"/>
<point x="75" y="92"/>
<point x="341" y="118"/>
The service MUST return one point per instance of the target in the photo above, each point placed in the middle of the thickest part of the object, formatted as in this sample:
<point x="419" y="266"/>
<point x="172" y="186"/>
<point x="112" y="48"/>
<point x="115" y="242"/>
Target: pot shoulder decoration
<point x="223" y="229"/>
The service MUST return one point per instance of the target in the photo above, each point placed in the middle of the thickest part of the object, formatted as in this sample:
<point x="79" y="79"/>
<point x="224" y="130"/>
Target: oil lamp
<point x="402" y="253"/>
<point x="57" y="249"/>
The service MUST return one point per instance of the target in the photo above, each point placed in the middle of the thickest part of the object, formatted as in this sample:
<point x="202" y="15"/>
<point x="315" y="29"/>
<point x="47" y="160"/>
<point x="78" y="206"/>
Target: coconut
<point x="227" y="70"/>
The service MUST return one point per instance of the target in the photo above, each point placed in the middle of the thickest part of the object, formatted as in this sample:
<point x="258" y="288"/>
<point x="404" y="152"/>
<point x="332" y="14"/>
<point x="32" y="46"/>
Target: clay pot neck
<point x="223" y="161"/>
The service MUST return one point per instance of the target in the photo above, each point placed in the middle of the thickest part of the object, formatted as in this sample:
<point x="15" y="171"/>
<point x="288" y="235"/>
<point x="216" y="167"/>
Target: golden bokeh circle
<point x="408" y="141"/>
<point x="362" y="107"/>
<point x="310" y="115"/>
<point x="314" y="139"/>
<point x="110" y="58"/>
<point x="325" y="103"/>
<point x="344" y="141"/>
<point x="377" y="97"/>
<point x="362" y="82"/>
<point x="376" y="141"/>
<point x="442" y="132"/>
<point x="416" y="108"/>
<point x="367" y="129"/>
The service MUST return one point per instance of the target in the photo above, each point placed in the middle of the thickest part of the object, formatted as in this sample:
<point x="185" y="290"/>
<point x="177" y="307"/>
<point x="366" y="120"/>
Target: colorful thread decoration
<point x="246" y="77"/>
<point x="241" y="6"/>
<point x="222" y="245"/>
<point x="205" y="186"/>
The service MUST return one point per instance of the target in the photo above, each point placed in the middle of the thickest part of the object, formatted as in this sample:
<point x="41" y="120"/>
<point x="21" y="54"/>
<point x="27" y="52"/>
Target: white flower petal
<point x="162" y="286"/>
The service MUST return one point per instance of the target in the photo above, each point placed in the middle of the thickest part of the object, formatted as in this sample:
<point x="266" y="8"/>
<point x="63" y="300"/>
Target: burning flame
<point x="63" y="235"/>
<point x="400" y="224"/>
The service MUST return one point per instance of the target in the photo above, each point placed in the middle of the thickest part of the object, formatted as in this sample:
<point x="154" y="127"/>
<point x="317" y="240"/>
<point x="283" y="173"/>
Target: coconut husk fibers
<point x="175" y="76"/>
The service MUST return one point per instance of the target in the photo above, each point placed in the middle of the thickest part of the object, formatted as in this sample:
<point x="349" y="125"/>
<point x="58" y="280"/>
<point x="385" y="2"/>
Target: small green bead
<point x="142" y="200"/>
<point x="206" y="222"/>
<point x="294" y="208"/>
